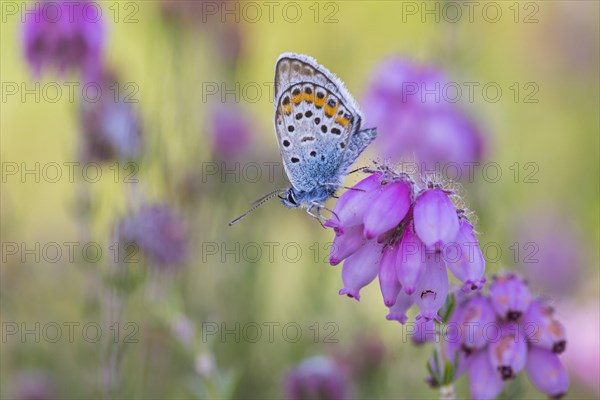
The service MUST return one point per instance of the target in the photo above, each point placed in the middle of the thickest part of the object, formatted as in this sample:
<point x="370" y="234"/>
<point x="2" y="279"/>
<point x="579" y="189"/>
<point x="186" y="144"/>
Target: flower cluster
<point x="389" y="226"/>
<point x="158" y="233"/>
<point x="61" y="34"/>
<point x="317" y="377"/>
<point x="497" y="336"/>
<point x="405" y="101"/>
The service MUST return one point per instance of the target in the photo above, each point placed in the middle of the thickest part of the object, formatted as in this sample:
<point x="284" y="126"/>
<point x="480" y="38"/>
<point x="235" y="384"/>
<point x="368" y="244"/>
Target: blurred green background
<point x="171" y="58"/>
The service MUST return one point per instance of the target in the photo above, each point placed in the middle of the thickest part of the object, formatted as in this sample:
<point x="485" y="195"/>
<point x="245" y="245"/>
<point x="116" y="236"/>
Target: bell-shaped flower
<point x="388" y="280"/>
<point x="350" y="208"/>
<point x="360" y="269"/>
<point x="410" y="261"/>
<point x="476" y="317"/>
<point x="485" y="383"/>
<point x="465" y="259"/>
<point x="542" y="329"/>
<point x="397" y="312"/>
<point x="507" y="350"/>
<point x="546" y="372"/>
<point x="510" y="296"/>
<point x="346" y="244"/>
<point x="432" y="288"/>
<point x="388" y="209"/>
<point x="436" y="221"/>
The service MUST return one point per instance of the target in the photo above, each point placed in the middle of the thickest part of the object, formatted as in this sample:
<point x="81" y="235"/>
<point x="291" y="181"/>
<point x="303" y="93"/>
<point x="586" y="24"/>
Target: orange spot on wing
<point x="287" y="109"/>
<point x="319" y="102"/>
<point x="329" y="111"/>
<point x="342" y="121"/>
<point x="297" y="99"/>
<point x="309" y="98"/>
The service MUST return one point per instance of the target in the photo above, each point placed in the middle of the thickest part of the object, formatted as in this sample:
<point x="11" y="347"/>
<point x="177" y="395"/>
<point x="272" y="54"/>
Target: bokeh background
<point x="202" y="88"/>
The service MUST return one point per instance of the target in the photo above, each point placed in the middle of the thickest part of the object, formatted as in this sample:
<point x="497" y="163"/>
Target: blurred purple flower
<point x="544" y="330"/>
<point x="508" y="351"/>
<point x="582" y="358"/>
<point x="414" y="114"/>
<point x="32" y="385"/>
<point x="546" y="372"/>
<point x="158" y="232"/>
<point x="496" y="350"/>
<point x="473" y="319"/>
<point x="64" y="35"/>
<point x="510" y="296"/>
<point x="389" y="226"/>
<point x="365" y="355"/>
<point x="231" y="131"/>
<point x="111" y="127"/>
<point x="553" y="250"/>
<point x="317" y="377"/>
<point x="484" y="381"/>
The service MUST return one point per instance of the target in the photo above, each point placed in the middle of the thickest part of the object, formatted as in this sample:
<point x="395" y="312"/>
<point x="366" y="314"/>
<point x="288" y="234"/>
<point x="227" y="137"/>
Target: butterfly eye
<point x="290" y="198"/>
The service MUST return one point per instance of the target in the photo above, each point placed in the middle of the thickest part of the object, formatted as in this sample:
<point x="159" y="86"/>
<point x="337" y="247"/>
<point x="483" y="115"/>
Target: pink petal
<point x="360" y="269"/>
<point x="436" y="221"/>
<point x="410" y="263"/>
<point x="388" y="280"/>
<point x="388" y="209"/>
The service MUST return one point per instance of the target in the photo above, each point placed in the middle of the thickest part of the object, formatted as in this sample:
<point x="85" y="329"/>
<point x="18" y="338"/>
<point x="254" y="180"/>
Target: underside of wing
<point x="292" y="68"/>
<point x="313" y="127"/>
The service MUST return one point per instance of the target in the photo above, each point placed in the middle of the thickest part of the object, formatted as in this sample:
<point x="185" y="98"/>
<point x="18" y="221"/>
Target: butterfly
<point x="318" y="126"/>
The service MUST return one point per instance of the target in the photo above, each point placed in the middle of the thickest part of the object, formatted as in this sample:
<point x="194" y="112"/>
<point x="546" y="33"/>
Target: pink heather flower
<point x="436" y="221"/>
<point x="388" y="281"/>
<point x="64" y="35"/>
<point x="158" y="232"/>
<point x="317" y="377"/>
<point x="397" y="312"/>
<point x="346" y="244"/>
<point x="508" y="353"/>
<point x="350" y="208"/>
<point x="388" y="209"/>
<point x="465" y="259"/>
<point x="360" y="269"/>
<point x="475" y="317"/>
<point x="510" y="296"/>
<point x="379" y="229"/>
<point x="484" y="380"/>
<point x="546" y="372"/>
<point x="410" y="261"/>
<point x="495" y="350"/>
<point x="542" y="328"/>
<point x="231" y="130"/>
<point x="432" y="288"/>
<point x="425" y="331"/>
<point x="409" y="104"/>
<point x="111" y="126"/>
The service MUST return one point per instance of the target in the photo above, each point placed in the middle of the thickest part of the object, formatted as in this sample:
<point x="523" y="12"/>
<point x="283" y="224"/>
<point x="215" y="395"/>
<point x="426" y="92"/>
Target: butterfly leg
<point x="357" y="170"/>
<point x="318" y="216"/>
<point x="322" y="207"/>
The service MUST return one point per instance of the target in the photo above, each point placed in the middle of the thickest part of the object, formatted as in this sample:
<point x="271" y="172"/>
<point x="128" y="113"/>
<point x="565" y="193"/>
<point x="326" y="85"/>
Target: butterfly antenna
<point x="257" y="204"/>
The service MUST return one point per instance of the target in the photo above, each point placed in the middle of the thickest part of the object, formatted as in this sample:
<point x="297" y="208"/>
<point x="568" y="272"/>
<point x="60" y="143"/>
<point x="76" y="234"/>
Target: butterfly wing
<point x="315" y="117"/>
<point x="358" y="142"/>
